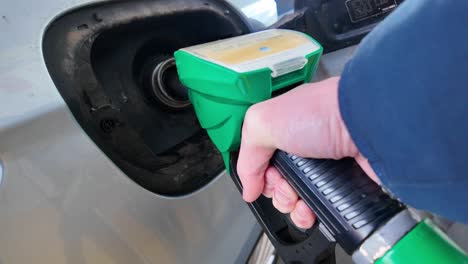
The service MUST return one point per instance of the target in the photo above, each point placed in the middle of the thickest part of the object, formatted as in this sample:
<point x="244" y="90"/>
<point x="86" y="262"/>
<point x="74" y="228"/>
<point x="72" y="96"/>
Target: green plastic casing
<point x="427" y="244"/>
<point x="221" y="96"/>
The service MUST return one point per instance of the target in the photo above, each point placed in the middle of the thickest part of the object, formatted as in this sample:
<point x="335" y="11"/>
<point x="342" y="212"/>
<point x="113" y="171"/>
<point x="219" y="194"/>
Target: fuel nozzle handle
<point x="346" y="201"/>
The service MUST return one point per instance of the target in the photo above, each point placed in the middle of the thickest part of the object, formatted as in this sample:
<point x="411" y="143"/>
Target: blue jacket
<point x="404" y="99"/>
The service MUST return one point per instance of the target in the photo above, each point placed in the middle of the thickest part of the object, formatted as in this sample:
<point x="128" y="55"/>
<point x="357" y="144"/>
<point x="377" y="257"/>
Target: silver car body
<point x="63" y="201"/>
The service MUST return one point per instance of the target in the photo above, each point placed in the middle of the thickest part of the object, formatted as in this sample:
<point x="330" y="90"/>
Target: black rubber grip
<point x="346" y="201"/>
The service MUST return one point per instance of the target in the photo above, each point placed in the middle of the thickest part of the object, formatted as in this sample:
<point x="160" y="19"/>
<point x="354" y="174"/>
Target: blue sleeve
<point x="404" y="99"/>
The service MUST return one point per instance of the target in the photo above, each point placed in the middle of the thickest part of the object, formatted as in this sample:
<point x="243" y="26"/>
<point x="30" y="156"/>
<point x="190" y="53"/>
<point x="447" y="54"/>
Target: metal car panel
<point x="63" y="201"/>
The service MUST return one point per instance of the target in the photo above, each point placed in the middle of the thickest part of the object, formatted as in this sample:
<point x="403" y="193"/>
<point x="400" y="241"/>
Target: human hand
<point x="305" y="121"/>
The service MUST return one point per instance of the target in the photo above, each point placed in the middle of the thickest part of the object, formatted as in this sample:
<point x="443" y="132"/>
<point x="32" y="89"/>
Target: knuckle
<point x="282" y="203"/>
<point x="250" y="174"/>
<point x="254" y="118"/>
<point x="301" y="221"/>
<point x="242" y="171"/>
<point x="304" y="210"/>
<point x="303" y="213"/>
<point x="285" y="188"/>
<point x="268" y="190"/>
<point x="280" y="207"/>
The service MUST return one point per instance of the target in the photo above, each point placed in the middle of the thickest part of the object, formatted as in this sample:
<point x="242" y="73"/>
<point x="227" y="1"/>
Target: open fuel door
<point x="112" y="64"/>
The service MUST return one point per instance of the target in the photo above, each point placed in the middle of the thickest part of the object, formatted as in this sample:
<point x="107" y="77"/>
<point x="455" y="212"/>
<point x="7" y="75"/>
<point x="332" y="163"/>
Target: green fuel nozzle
<point x="224" y="78"/>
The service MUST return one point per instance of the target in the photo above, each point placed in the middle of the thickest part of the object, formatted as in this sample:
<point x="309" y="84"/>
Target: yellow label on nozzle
<point x="241" y="50"/>
<point x="266" y="49"/>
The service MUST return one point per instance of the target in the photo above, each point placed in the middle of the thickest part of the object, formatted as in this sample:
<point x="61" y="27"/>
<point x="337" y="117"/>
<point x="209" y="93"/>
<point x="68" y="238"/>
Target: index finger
<point x="255" y="153"/>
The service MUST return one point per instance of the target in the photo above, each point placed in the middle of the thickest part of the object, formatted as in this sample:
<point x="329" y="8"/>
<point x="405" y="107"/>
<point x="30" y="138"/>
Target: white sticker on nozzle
<point x="288" y="66"/>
